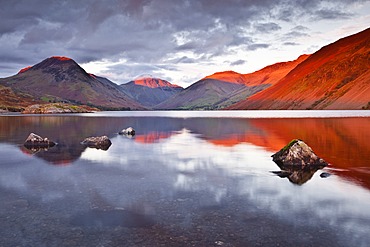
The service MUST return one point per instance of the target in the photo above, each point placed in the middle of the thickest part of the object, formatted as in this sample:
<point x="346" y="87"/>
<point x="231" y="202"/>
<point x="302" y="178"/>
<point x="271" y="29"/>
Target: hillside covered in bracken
<point x="335" y="77"/>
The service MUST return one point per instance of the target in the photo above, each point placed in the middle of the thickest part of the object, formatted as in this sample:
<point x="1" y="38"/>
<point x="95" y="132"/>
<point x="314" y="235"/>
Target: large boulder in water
<point x="36" y="141"/>
<point x="297" y="162"/>
<point x="297" y="154"/>
<point x="98" y="142"/>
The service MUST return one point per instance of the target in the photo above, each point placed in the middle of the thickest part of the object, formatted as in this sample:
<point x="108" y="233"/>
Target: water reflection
<point x="298" y="175"/>
<point x="187" y="177"/>
<point x="342" y="142"/>
<point x="111" y="218"/>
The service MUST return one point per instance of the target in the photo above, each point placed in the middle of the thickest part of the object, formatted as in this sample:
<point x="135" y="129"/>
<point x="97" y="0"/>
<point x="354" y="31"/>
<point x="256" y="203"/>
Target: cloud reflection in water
<point x="195" y="165"/>
<point x="184" y="162"/>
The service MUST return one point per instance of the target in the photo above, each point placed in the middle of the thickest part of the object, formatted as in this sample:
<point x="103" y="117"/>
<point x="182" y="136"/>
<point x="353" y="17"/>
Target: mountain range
<point x="223" y="89"/>
<point x="335" y="77"/>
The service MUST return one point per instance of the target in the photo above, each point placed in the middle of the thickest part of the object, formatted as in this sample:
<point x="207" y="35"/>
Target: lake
<point x="184" y="179"/>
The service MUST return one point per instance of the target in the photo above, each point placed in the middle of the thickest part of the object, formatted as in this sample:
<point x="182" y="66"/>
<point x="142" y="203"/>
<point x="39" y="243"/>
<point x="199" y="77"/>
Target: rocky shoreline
<point x="57" y="108"/>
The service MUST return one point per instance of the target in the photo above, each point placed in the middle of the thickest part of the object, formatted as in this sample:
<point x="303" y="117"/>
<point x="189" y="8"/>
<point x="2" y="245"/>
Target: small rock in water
<point x="128" y="131"/>
<point x="36" y="141"/>
<point x="219" y="243"/>
<point x="325" y="175"/>
<point x="98" y="142"/>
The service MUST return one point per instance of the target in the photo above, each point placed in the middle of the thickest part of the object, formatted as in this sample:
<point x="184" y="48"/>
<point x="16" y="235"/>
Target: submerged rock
<point x="98" y="142"/>
<point x="128" y="131"/>
<point x="297" y="162"/>
<point x="36" y="141"/>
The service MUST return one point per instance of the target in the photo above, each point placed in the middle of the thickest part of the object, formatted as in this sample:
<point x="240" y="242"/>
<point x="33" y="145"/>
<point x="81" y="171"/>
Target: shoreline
<point x="252" y="114"/>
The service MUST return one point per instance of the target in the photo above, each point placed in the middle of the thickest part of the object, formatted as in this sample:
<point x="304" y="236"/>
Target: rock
<point x="36" y="141"/>
<point x="325" y="175"/>
<point x="98" y="142"/>
<point x="297" y="162"/>
<point x="297" y="154"/>
<point x="128" y="131"/>
<point x="57" y="108"/>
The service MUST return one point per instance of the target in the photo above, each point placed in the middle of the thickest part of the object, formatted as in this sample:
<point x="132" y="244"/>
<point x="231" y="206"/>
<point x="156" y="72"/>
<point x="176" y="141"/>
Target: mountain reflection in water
<point x="343" y="142"/>
<point x="198" y="180"/>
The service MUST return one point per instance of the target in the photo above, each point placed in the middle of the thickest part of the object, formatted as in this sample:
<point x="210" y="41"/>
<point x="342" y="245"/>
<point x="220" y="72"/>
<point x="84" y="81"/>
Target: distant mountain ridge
<point x="223" y="89"/>
<point x="227" y="76"/>
<point x="62" y="79"/>
<point x="150" y="91"/>
<point x="153" y="82"/>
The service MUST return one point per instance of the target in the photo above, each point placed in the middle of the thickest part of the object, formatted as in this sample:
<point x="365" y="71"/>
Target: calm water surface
<point x="184" y="179"/>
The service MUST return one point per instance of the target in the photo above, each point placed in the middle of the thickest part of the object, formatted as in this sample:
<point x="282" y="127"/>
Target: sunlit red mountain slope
<point x="335" y="77"/>
<point x="273" y="73"/>
<point x="268" y="75"/>
<point x="223" y="89"/>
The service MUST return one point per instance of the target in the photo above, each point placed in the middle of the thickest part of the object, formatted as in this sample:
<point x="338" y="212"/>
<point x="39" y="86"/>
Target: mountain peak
<point x="153" y="82"/>
<point x="61" y="58"/>
<point x="56" y="62"/>
<point x="227" y="76"/>
<point x="48" y="62"/>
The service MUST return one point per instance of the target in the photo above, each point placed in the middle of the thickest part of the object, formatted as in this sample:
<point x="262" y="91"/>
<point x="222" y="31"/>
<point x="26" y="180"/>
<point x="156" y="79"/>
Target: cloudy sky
<point x="177" y="40"/>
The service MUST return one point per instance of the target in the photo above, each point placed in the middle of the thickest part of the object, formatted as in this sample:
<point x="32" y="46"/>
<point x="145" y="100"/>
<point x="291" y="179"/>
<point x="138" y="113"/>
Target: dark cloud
<point x="256" y="46"/>
<point x="238" y="62"/>
<point x="295" y="34"/>
<point x="148" y="31"/>
<point x="267" y="27"/>
<point x="188" y="46"/>
<point x="290" y="43"/>
<point x="300" y="28"/>
<point x="186" y="59"/>
<point x="332" y="14"/>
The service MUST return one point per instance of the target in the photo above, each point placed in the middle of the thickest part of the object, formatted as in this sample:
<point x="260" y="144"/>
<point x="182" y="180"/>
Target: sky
<point x="180" y="41"/>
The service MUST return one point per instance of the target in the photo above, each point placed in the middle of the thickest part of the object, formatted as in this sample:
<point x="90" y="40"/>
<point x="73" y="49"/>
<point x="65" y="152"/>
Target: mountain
<point x="60" y="79"/>
<point x="273" y="73"/>
<point x="223" y="89"/>
<point x="204" y="94"/>
<point x="11" y="101"/>
<point x="150" y="91"/>
<point x="335" y="77"/>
